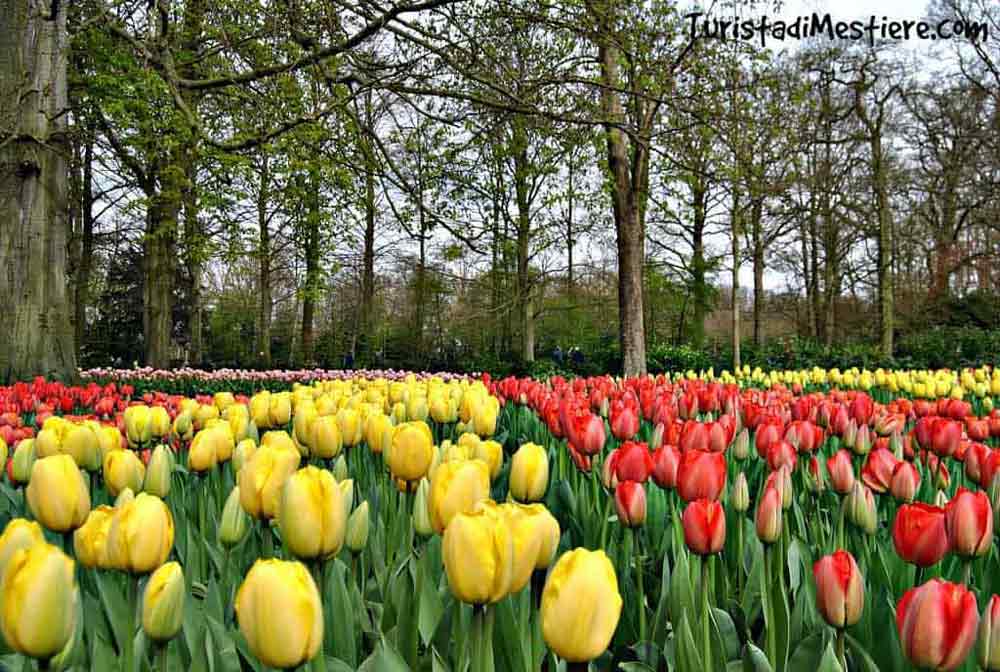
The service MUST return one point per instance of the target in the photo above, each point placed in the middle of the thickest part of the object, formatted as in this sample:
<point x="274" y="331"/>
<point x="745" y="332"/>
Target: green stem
<point x="766" y="594"/>
<point x="637" y="550"/>
<point x="268" y="538"/>
<point x="739" y="557"/>
<point x="966" y="571"/>
<point x="841" y="656"/>
<point x="706" y="615"/>
<point x="840" y="522"/>
<point x="132" y="591"/>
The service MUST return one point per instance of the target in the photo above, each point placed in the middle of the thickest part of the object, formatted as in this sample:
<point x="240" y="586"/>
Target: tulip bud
<point x="739" y="497"/>
<point x="242" y="453"/>
<point x="163" y="603"/>
<point x="235" y="522"/>
<point x="988" y="644"/>
<point x="141" y="535"/>
<point x="23" y="461"/>
<point x="840" y="589"/>
<point x="656" y="440"/>
<point x="581" y="605"/>
<point x="905" y="481"/>
<point x="124" y="497"/>
<point x="347" y="496"/>
<point x="769" y="516"/>
<point x="861" y="508"/>
<point x="421" y="516"/>
<point x="863" y="441"/>
<point x="340" y="468"/>
<point x="851" y="434"/>
<point x="39" y="600"/>
<point x="357" y="528"/>
<point x="741" y="447"/>
<point x="274" y="588"/>
<point x="630" y="502"/>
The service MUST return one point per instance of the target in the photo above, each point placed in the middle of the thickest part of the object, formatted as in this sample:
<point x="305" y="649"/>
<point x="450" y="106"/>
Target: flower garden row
<point x="384" y="521"/>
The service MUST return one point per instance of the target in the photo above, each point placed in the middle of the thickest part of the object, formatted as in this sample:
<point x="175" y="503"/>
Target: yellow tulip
<point x="19" y="533"/>
<point x="124" y="497"/>
<point x="23" y="460"/>
<point x="529" y="473"/>
<point x="280" y="410"/>
<point x="491" y="453"/>
<point x="421" y="515"/>
<point x="138" y="429"/>
<point x="183" y="427"/>
<point x="90" y="539"/>
<point x="108" y="439"/>
<point x="234" y="523"/>
<point x="278" y="439"/>
<point x="325" y="438"/>
<point x="48" y="442"/>
<point x="159" y="422"/>
<point x="456" y="488"/>
<point x="302" y="424"/>
<point x="412" y="451"/>
<point x="416" y="408"/>
<point x="158" y="473"/>
<point x="238" y="418"/>
<point x="440" y="409"/>
<point x="203" y="414"/>
<point x="243" y="452"/>
<point x="581" y="605"/>
<point x="349" y="422"/>
<point x="39" y="601"/>
<point x="203" y="452"/>
<point x="57" y="494"/>
<point x="141" y="535"/>
<point x="163" y="603"/>
<point x="263" y="476"/>
<point x="279" y="613"/>
<point x="378" y="432"/>
<point x="260" y="409"/>
<point x="123" y="469"/>
<point x="478" y="552"/>
<point x="311" y="514"/>
<point x="485" y="418"/>
<point x="223" y="400"/>
<point x="83" y="444"/>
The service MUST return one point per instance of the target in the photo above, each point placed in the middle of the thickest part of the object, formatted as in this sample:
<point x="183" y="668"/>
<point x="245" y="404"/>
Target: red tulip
<point x="609" y="471"/>
<point x="945" y="437"/>
<point x="581" y="460"/>
<point x="969" y="523"/>
<point x="804" y="435"/>
<point x="988" y="642"/>
<point x="937" y="624"/>
<point x="878" y="469"/>
<point x="781" y="454"/>
<point x="841" y="472"/>
<point x="905" y="481"/>
<point x="719" y="436"/>
<point x="589" y="434"/>
<point x="919" y="534"/>
<point x="694" y="436"/>
<point x="665" y="462"/>
<point x="701" y="475"/>
<point x="624" y="420"/>
<point x="862" y="408"/>
<point x="633" y="462"/>
<point x="768" y="518"/>
<point x="704" y="524"/>
<point x="687" y="406"/>
<point x="975" y="457"/>
<point x="630" y="502"/>
<point x="978" y="429"/>
<point x="817" y="479"/>
<point x="767" y="434"/>
<point x="840" y="589"/>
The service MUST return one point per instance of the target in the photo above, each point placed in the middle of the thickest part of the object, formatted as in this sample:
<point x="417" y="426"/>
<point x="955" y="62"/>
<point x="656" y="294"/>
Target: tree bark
<point x="159" y="258"/>
<point x="521" y="190"/>
<point x="735" y="251"/>
<point x="311" y="290"/>
<point x="264" y="305"/>
<point x="699" y="286"/>
<point x="85" y="259"/>
<point x="628" y="182"/>
<point x="758" y="270"/>
<point x="34" y="193"/>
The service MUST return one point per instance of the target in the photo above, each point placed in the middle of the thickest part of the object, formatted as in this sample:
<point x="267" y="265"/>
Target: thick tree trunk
<point x="628" y="182"/>
<point x="885" y="248"/>
<point x="521" y="191"/>
<point x="368" y="267"/>
<point x="159" y="260"/>
<point x="34" y="196"/>
<point x="195" y="248"/>
<point x="311" y="291"/>
<point x="85" y="259"/>
<point x="264" y="305"/>
<point x="570" y="240"/>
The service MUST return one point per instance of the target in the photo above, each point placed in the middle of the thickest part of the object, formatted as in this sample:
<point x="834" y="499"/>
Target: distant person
<point x="557" y="355"/>
<point x="576" y="354"/>
<point x="349" y="361"/>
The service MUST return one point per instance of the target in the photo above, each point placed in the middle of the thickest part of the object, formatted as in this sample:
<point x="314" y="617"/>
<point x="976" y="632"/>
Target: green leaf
<point x="829" y="662"/>
<point x="754" y="659"/>
<point x="808" y="653"/>
<point x="339" y="611"/>
<point x="659" y="634"/>
<point x="115" y="606"/>
<point x="725" y="629"/>
<point x="337" y="665"/>
<point x="686" y="651"/>
<point x="507" y="639"/>
<point x="635" y="667"/>
<point x="681" y="596"/>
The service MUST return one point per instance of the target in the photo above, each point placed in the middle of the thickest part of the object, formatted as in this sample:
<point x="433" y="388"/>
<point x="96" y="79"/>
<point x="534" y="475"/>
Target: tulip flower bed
<point x="783" y="521"/>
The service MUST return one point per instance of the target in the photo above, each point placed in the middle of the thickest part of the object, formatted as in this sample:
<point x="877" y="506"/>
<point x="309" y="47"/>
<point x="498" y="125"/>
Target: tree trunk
<point x="758" y="270"/>
<point x="34" y="196"/>
<point x="195" y="248"/>
<point x="311" y="290"/>
<point x="85" y="260"/>
<point x="264" y="305"/>
<point x="699" y="286"/>
<point x="735" y="240"/>
<point x="885" y="290"/>
<point x="519" y="142"/>
<point x="158" y="266"/>
<point x="570" y="241"/>
<point x="368" y="267"/>
<point x="628" y="195"/>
